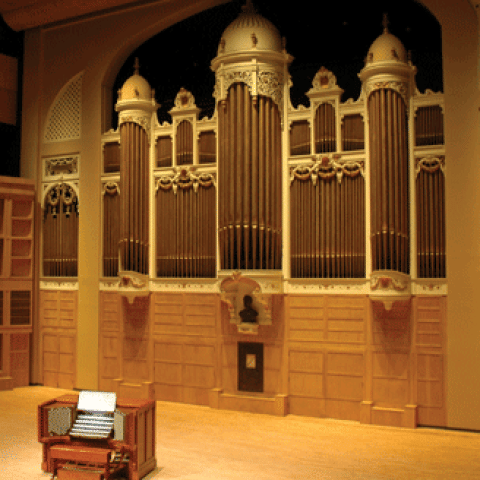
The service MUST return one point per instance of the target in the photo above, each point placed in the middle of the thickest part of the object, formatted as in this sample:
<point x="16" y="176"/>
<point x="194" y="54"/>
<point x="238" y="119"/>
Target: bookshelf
<point x="17" y="201"/>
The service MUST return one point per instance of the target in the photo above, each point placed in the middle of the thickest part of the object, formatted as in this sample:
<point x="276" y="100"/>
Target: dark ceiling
<point x="332" y="35"/>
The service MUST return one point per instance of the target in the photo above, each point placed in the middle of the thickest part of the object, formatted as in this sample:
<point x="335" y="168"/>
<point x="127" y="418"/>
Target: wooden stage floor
<point x="198" y="443"/>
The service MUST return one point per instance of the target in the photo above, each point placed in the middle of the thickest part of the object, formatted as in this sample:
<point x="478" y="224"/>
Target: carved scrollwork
<point x="62" y="194"/>
<point x="141" y="120"/>
<point x="184" y="100"/>
<point x="430" y="164"/>
<point x="185" y="178"/>
<point x="111" y="188"/>
<point x="326" y="168"/>
<point x="270" y="85"/>
<point x="63" y="165"/>
<point x="234" y="77"/>
<point x="399" y="87"/>
<point x="324" y="79"/>
<point x="388" y="283"/>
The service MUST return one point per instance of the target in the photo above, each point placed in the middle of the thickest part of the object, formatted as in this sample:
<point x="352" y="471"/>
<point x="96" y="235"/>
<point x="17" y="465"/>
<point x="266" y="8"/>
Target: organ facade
<point x="329" y="216"/>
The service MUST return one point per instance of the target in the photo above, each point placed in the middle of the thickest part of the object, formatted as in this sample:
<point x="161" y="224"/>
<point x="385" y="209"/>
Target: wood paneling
<point x="346" y="353"/>
<point x="185" y="347"/>
<point x="58" y="326"/>
<point x="430" y="346"/>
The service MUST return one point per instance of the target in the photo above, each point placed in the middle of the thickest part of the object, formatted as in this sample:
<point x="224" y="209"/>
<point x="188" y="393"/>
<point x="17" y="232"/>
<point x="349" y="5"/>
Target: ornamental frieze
<point x="399" y="87"/>
<point x="326" y="168"/>
<point x="266" y="83"/>
<point x="185" y="179"/>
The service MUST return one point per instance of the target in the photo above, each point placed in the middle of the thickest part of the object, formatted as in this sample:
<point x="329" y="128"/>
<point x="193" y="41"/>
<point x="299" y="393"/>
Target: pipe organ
<point x="60" y="232"/>
<point x="328" y="221"/>
<point x="134" y="203"/>
<point x="389" y="181"/>
<point x="430" y="192"/>
<point x="111" y="228"/>
<point x="249" y="181"/>
<point x="201" y="196"/>
<point x="136" y="106"/>
<point x="186" y="225"/>
<point x="429" y="125"/>
<point x="325" y="135"/>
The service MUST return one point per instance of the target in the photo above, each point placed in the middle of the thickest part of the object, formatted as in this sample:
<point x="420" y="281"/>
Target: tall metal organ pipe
<point x="134" y="200"/>
<point x="250" y="181"/>
<point x="389" y="181"/>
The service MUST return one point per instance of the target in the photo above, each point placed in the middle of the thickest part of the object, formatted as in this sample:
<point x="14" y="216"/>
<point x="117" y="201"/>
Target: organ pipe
<point x="249" y="181"/>
<point x="325" y="139"/>
<point x="328" y="225"/>
<point x="184" y="139"/>
<point x="111" y="229"/>
<point x="186" y="229"/>
<point x="429" y="125"/>
<point x="353" y="133"/>
<point x="134" y="200"/>
<point x="430" y="186"/>
<point x="60" y="232"/>
<point x="164" y="152"/>
<point x="207" y="147"/>
<point x="300" y="138"/>
<point x="389" y="181"/>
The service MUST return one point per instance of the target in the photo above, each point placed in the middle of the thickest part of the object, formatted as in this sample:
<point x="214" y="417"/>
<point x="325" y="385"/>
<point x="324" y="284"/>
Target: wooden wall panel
<point x="306" y="318"/>
<point x="185" y="346"/>
<point x="20" y="358"/>
<point x="391" y="378"/>
<point x="58" y="327"/>
<point x="430" y="346"/>
<point x="272" y="362"/>
<point x="326" y="365"/>
<point x="110" y="344"/>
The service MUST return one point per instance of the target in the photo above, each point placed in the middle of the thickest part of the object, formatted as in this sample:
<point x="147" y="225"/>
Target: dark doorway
<point x="250" y="367"/>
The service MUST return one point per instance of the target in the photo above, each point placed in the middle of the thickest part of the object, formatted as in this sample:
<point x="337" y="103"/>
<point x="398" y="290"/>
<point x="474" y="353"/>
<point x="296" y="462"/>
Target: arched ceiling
<point x="26" y="14"/>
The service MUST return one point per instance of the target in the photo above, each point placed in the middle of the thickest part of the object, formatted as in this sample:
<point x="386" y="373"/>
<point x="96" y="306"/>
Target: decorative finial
<point x="385" y="23"/>
<point x="136" y="66"/>
<point x="249" y="8"/>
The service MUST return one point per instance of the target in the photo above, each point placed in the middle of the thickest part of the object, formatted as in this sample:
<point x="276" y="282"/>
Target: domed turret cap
<point x="136" y="87"/>
<point x="250" y="31"/>
<point x="386" y="47"/>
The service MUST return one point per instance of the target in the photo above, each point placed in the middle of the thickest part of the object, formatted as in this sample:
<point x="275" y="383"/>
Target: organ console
<point x="96" y="436"/>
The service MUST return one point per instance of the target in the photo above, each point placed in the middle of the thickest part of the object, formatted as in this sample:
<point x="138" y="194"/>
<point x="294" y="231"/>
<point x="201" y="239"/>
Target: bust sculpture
<point x="248" y="314"/>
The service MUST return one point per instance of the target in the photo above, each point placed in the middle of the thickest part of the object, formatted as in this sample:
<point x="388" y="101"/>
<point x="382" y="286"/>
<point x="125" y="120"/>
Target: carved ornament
<point x="184" y="100"/>
<point x="185" y="178"/>
<point x="60" y="166"/>
<point x="430" y="164"/>
<point x="390" y="287"/>
<point x="326" y="168"/>
<point x="324" y="79"/>
<point x="64" y="192"/>
<point x="142" y="120"/>
<point x="233" y="290"/>
<point x="266" y="83"/>
<point x="133" y="285"/>
<point x="111" y="188"/>
<point x="399" y="87"/>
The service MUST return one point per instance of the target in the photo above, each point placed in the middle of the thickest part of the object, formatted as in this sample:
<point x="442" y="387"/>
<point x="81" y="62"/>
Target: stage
<point x="200" y="443"/>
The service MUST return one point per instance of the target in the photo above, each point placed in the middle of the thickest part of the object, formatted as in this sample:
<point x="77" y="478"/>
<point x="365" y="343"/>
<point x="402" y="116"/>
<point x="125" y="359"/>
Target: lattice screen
<point x="64" y="119"/>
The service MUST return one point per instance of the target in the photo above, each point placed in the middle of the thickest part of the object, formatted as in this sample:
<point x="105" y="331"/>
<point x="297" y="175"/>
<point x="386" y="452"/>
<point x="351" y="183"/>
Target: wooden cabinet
<point x="17" y="199"/>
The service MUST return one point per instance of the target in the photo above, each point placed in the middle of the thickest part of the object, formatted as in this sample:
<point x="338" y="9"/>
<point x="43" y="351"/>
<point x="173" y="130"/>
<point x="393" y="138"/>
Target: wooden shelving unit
<point x="17" y="198"/>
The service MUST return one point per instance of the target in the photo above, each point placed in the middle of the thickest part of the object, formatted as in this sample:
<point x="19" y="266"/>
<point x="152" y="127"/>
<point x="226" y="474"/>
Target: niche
<point x="250" y="367"/>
